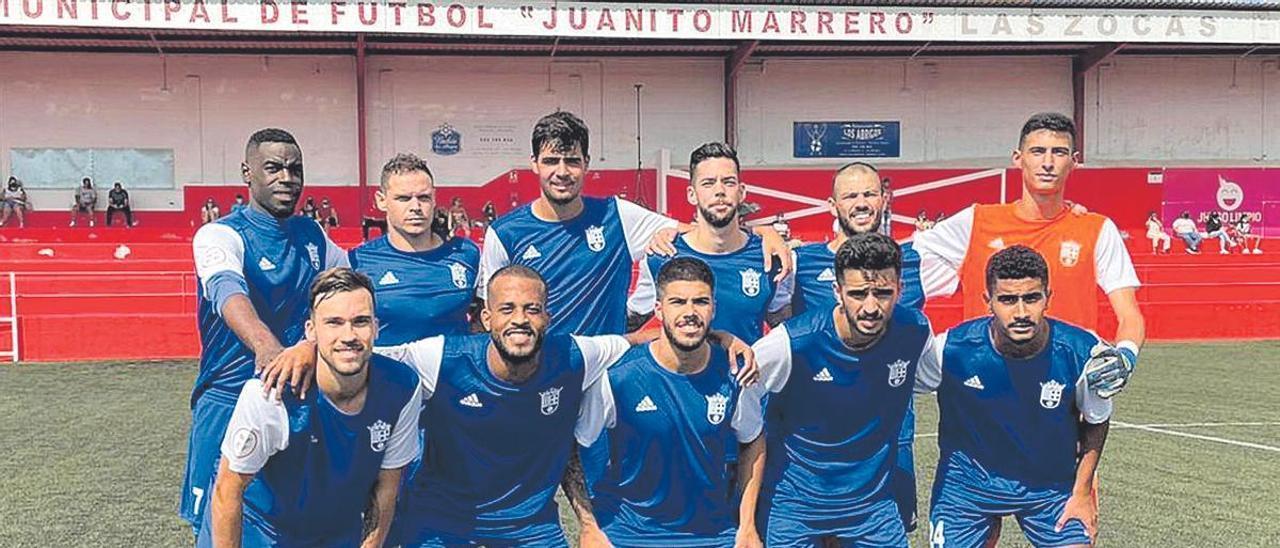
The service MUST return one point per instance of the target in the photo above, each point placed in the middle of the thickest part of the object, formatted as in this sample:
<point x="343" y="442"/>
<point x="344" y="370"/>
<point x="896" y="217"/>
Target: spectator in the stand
<point x="440" y="224"/>
<point x="490" y="212"/>
<point x="1184" y="227"/>
<point x="118" y="201"/>
<point x="886" y="215"/>
<point x="1214" y="229"/>
<point x="309" y="209"/>
<point x="1157" y="234"/>
<point x="209" y="212"/>
<point x="781" y="227"/>
<point x="85" y="201"/>
<point x="458" y="218"/>
<point x="922" y="221"/>
<point x="239" y="203"/>
<point x="15" y="203"/>
<point x="327" y="216"/>
<point x="1245" y="231"/>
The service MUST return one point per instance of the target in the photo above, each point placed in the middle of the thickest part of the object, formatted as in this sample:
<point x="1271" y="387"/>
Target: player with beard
<point x="859" y="196"/>
<point x="839" y="383"/>
<point x="670" y="407"/>
<point x="252" y="266"/>
<point x="583" y="247"/>
<point x="1020" y="432"/>
<point x="302" y="471"/>
<point x="746" y="294"/>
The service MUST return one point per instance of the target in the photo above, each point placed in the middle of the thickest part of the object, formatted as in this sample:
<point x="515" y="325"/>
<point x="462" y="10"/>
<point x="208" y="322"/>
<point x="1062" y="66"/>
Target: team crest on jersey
<point x="313" y="252"/>
<point x="750" y="282"/>
<point x="1070" y="253"/>
<point x="595" y="238"/>
<point x="716" y="406"/>
<point x="459" y="274"/>
<point x="1051" y="394"/>
<point x="550" y="400"/>
<point x="897" y="373"/>
<point x="379" y="433"/>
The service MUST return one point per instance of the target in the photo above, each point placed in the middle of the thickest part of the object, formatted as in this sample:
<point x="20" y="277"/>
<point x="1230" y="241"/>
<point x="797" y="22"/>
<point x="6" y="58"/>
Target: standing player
<point x="671" y="408"/>
<point x="253" y="265"/>
<point x="1020" y="433"/>
<point x="859" y="199"/>
<point x="302" y="471"/>
<point x="746" y="294"/>
<point x="839" y="383"/>
<point x="583" y="247"/>
<point x="424" y="282"/>
<point x="1084" y="251"/>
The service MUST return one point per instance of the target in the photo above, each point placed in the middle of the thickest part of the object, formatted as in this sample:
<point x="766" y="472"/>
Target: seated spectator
<point x="1184" y="227"/>
<point x="327" y="216"/>
<point x="1214" y="228"/>
<point x="1157" y="234"/>
<point x="239" y="203"/>
<point x="458" y="218"/>
<point x="86" y="199"/>
<point x="1245" y="231"/>
<point x="310" y="210"/>
<point x="15" y="203"/>
<point x="781" y="227"/>
<point x="209" y="212"/>
<point x="489" y="212"/>
<point x="118" y="200"/>
<point x="922" y="221"/>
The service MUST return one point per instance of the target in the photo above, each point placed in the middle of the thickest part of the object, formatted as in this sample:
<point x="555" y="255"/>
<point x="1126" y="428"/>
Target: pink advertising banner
<point x="1233" y="193"/>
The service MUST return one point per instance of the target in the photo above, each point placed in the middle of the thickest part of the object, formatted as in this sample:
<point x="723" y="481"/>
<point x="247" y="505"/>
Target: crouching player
<point x="300" y="472"/>
<point x="1020" y="433"/>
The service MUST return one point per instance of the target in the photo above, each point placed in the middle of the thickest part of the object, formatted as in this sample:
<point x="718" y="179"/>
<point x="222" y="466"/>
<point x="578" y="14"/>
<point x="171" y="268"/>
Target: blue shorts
<point x="209" y="421"/>
<point x="544" y="537"/>
<point x="965" y="511"/>
<point x="903" y="479"/>
<point x="877" y="525"/>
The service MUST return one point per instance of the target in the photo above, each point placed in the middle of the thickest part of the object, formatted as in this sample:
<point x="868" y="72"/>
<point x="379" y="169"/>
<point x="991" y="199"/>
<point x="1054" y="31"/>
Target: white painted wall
<point x="212" y="105"/>
<point x="1183" y="111"/>
<point x="954" y="111"/>
<point x="484" y="98"/>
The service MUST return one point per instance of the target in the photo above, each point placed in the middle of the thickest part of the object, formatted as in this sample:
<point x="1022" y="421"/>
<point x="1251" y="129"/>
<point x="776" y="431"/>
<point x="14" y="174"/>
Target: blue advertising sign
<point x="846" y="139"/>
<point x="446" y="140"/>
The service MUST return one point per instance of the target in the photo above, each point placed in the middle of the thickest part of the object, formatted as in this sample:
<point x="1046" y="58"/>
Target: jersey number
<point x="199" y="493"/>
<point x="938" y="540"/>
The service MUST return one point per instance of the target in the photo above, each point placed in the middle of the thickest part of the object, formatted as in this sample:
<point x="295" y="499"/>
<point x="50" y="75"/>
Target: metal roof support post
<point x="362" y="151"/>
<point x="732" y="65"/>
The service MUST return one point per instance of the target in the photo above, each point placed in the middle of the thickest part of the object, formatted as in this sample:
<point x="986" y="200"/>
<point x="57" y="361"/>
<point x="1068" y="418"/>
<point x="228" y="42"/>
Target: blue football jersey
<point x="278" y="260"/>
<point x="744" y="289"/>
<point x="834" y="414"/>
<point x="1016" y="419"/>
<point x="586" y="261"/>
<point x="419" y="294"/>
<point x="815" y="272"/>
<point x="669" y="481"/>
<point x="495" y="451"/>
<point x="315" y="491"/>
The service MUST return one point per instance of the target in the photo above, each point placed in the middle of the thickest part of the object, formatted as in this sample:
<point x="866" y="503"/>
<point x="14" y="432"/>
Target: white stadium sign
<point x="665" y="21"/>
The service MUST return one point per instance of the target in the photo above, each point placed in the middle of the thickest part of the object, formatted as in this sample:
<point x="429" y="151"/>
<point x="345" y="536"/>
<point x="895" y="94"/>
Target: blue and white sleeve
<point x="423" y="355"/>
<point x="645" y="294"/>
<point x="929" y="367"/>
<point x="492" y="258"/>
<point x="219" y="256"/>
<point x="404" y="445"/>
<point x="596" y="413"/>
<point x="773" y="358"/>
<point x="259" y="428"/>
<point x="598" y="354"/>
<point x="639" y="225"/>
<point x="335" y="256"/>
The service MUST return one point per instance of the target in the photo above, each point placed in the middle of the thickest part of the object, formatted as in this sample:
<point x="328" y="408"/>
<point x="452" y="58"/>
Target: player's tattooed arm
<point x="382" y="507"/>
<point x="1082" y="505"/>
<point x="227" y="507"/>
<point x="750" y="469"/>
<point x="574" y="484"/>
<point x="778" y="316"/>
<point x="775" y="249"/>
<point x="636" y="320"/>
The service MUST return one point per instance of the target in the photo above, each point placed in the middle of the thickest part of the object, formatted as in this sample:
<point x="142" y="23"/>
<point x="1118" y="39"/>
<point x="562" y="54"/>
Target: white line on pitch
<point x="1159" y="428"/>
<point x="1199" y="437"/>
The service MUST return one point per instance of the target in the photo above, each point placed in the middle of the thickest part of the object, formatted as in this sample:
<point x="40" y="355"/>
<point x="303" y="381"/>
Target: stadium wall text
<point x="665" y="21"/>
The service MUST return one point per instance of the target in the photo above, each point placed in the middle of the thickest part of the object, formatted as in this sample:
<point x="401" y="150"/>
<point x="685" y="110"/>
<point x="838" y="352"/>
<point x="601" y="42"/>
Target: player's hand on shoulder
<point x="292" y="368"/>
<point x="742" y="359"/>
<point x="1076" y="208"/>
<point x="777" y="254"/>
<point x="663" y="242"/>
<point x="1109" y="368"/>
<point x="593" y="537"/>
